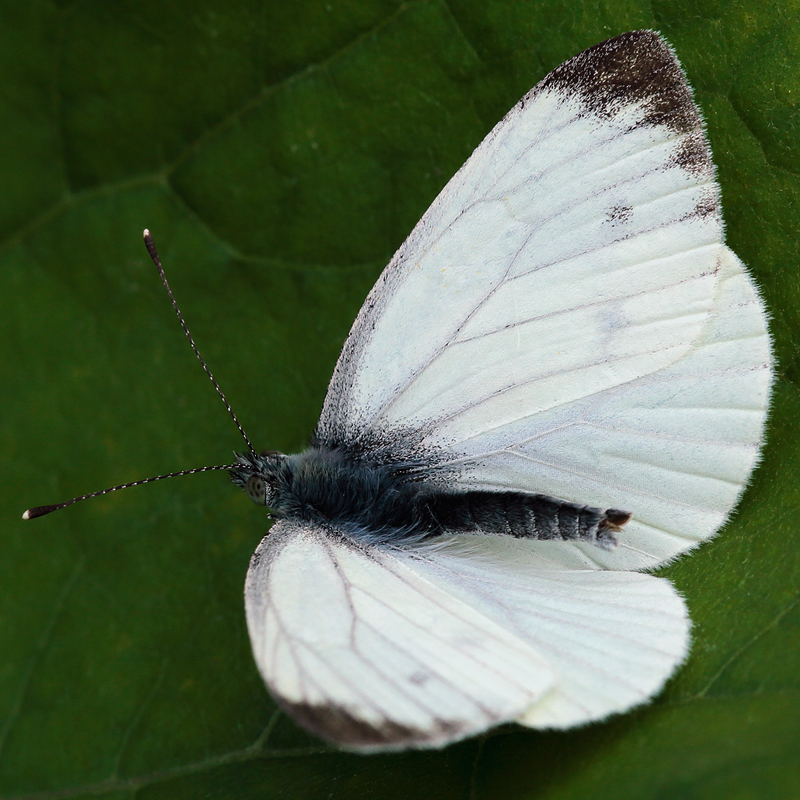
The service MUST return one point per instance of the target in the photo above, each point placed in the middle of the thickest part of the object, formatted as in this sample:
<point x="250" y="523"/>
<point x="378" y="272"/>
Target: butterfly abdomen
<point x="378" y="502"/>
<point x="525" y="516"/>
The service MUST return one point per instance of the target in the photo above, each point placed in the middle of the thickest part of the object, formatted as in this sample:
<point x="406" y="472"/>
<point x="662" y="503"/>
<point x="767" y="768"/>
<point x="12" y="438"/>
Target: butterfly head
<point x="257" y="475"/>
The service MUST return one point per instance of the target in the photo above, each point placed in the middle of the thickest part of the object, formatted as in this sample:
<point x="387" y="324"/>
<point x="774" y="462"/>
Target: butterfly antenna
<point x="40" y="511"/>
<point x="151" y="248"/>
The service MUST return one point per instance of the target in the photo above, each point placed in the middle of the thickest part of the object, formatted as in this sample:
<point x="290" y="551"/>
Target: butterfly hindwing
<point x="610" y="638"/>
<point x="674" y="447"/>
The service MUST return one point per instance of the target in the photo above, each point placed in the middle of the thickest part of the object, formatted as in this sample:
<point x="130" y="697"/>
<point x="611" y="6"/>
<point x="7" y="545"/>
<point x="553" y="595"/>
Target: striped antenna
<point x="40" y="511"/>
<point x="151" y="248"/>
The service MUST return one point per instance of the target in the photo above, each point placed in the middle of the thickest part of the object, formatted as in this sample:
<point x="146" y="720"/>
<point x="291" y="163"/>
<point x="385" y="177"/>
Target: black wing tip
<point x="342" y="728"/>
<point x="634" y="67"/>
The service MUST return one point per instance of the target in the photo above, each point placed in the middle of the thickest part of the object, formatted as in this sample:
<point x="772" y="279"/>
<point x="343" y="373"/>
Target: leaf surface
<point x="280" y="153"/>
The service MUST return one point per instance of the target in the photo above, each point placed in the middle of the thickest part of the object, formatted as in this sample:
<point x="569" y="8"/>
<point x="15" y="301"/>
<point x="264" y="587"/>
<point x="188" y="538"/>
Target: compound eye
<point x="257" y="490"/>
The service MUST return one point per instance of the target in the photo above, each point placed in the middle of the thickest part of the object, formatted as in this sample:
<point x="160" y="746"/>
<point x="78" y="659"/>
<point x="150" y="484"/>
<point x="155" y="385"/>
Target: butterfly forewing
<point x="368" y="653"/>
<point x="578" y="246"/>
<point x="387" y="649"/>
<point x="550" y="324"/>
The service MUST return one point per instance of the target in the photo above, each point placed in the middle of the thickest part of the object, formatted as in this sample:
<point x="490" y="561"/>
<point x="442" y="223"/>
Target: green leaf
<point x="280" y="152"/>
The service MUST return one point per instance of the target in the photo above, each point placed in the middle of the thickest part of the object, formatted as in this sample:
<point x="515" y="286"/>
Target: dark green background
<point x="280" y="152"/>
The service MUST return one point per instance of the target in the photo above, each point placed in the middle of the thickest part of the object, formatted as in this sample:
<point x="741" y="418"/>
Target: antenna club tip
<point x="151" y="247"/>
<point x="40" y="511"/>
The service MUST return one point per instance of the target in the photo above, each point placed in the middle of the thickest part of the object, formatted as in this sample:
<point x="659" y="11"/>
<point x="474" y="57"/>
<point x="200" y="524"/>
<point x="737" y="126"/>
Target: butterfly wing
<point x="575" y="249"/>
<point x="674" y="447"/>
<point x="565" y="276"/>
<point x="366" y="652"/>
<point x="611" y="639"/>
<point x="382" y="648"/>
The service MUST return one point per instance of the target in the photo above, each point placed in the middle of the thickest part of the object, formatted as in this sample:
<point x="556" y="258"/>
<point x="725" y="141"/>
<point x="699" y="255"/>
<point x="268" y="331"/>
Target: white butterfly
<point x="563" y="329"/>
